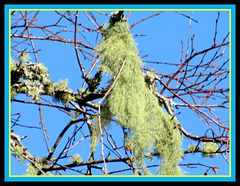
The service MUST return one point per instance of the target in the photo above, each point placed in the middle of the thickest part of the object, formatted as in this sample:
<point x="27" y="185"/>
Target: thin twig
<point x="99" y="111"/>
<point x="44" y="130"/>
<point x="61" y="135"/>
<point x="115" y="80"/>
<point x="187" y="16"/>
<point x="75" y="47"/>
<point x="145" y="19"/>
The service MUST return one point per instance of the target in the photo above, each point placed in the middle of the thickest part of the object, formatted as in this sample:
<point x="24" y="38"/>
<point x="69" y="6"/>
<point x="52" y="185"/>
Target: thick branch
<point x="88" y="163"/>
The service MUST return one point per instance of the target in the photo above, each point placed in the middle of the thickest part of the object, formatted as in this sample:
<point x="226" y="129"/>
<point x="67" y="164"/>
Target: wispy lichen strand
<point x="148" y="128"/>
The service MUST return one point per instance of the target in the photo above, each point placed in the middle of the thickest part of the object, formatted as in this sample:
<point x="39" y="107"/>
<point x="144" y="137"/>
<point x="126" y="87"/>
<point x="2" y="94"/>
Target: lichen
<point x="209" y="149"/>
<point x="76" y="159"/>
<point x="33" y="80"/>
<point x="132" y="104"/>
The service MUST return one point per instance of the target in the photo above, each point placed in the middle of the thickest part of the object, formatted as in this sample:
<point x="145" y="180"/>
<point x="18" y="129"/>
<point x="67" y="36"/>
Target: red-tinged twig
<point x="145" y="19"/>
<point x="71" y="147"/>
<point x="94" y="18"/>
<point x="53" y="150"/>
<point x="49" y="105"/>
<point x="191" y="57"/>
<point x="60" y="39"/>
<point x="190" y="106"/>
<point x="129" y="14"/>
<point x="33" y="47"/>
<point x="90" y="19"/>
<point x="113" y="145"/>
<point x="215" y="36"/>
<point x="189" y="17"/>
<point x="75" y="47"/>
<point x="205" y="106"/>
<point x="63" y="15"/>
<point x="188" y="135"/>
<point x="202" y="138"/>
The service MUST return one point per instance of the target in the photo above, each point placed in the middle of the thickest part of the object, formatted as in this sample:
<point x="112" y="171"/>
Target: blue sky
<point x="161" y="43"/>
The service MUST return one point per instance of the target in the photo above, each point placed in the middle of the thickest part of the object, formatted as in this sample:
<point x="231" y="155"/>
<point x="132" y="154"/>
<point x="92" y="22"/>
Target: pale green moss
<point x="191" y="148"/>
<point x="209" y="149"/>
<point x="133" y="105"/>
<point x="33" y="79"/>
<point x="39" y="164"/>
<point x="76" y="159"/>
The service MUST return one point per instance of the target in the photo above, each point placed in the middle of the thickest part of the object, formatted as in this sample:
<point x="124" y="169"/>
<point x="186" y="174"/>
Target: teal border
<point x="119" y="178"/>
<point x="6" y="94"/>
<point x="122" y="6"/>
<point x="233" y="92"/>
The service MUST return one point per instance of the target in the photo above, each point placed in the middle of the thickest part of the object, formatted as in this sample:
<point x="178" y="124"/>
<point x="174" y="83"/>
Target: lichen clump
<point x="148" y="129"/>
<point x="209" y="150"/>
<point x="33" y="80"/>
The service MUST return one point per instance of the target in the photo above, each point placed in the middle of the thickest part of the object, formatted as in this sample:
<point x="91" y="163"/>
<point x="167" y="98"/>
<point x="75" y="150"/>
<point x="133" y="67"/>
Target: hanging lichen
<point x="148" y="129"/>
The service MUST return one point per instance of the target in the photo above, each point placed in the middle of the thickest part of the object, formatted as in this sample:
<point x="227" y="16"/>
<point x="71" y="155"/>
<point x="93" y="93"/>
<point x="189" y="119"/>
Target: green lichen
<point x="28" y="78"/>
<point x="62" y="92"/>
<point x="39" y="164"/>
<point x="191" y="148"/>
<point x="148" y="128"/>
<point x="33" y="80"/>
<point x="76" y="159"/>
<point x="209" y="149"/>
